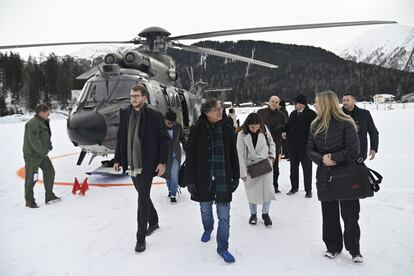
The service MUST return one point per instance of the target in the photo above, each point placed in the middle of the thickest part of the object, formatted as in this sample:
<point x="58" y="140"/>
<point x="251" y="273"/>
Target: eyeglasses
<point x="216" y="109"/>
<point x="136" y="96"/>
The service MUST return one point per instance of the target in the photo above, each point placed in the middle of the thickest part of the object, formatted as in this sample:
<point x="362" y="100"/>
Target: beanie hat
<point x="301" y="99"/>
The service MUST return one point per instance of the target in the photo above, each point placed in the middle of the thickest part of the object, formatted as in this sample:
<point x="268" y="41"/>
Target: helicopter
<point x="94" y="118"/>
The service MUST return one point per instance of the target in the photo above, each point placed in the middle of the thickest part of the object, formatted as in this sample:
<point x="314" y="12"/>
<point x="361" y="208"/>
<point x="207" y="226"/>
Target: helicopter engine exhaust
<point x="136" y="60"/>
<point x="112" y="58"/>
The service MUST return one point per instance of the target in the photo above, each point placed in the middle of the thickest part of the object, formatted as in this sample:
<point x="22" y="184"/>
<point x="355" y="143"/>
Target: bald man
<point x="275" y="120"/>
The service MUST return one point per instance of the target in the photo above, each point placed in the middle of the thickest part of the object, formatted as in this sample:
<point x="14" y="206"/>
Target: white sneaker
<point x="358" y="259"/>
<point x="331" y="255"/>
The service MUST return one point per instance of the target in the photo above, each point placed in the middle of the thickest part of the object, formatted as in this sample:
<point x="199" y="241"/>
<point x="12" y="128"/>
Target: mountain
<point x="302" y="70"/>
<point x="390" y="46"/>
<point x="100" y="50"/>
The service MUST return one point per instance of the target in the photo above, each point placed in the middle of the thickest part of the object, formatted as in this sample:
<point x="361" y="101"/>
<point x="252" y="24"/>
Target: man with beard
<point x="365" y="125"/>
<point x="141" y="151"/>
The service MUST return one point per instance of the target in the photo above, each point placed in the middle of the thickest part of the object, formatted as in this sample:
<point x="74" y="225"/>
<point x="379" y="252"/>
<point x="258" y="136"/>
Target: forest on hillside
<point x="302" y="70"/>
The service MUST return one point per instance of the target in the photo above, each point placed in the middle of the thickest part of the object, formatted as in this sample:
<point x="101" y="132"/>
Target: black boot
<point x="140" y="246"/>
<point x="267" y="220"/>
<point x="151" y="229"/>
<point x="253" y="219"/>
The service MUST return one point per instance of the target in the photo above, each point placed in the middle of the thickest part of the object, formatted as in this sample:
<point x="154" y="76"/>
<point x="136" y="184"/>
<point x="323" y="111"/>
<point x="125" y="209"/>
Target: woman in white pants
<point x="255" y="144"/>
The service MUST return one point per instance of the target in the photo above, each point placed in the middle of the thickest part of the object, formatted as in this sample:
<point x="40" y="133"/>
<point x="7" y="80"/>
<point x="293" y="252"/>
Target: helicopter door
<point x="174" y="103"/>
<point x="184" y="107"/>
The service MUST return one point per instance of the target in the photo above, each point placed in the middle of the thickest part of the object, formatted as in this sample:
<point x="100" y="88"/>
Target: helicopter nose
<point x="87" y="128"/>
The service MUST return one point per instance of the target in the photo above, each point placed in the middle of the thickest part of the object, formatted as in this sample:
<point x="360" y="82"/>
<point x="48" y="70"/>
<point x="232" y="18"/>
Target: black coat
<point x="297" y="129"/>
<point x="153" y="136"/>
<point x="365" y="126"/>
<point x="198" y="160"/>
<point x="341" y="141"/>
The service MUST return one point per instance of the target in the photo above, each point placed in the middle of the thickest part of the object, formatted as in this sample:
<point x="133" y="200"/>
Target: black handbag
<point x="260" y="168"/>
<point x="181" y="174"/>
<point x="352" y="181"/>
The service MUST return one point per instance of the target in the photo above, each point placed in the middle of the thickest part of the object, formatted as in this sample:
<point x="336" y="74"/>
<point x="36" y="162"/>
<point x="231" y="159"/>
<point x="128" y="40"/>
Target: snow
<point x="94" y="51"/>
<point x="389" y="46"/>
<point x="95" y="234"/>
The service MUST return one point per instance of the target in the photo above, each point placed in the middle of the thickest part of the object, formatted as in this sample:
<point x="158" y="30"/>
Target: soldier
<point x="36" y="146"/>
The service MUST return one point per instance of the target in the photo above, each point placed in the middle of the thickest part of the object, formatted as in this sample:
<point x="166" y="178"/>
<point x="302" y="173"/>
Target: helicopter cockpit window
<point x="94" y="93"/>
<point x="121" y="89"/>
<point x="98" y="91"/>
<point x="84" y="93"/>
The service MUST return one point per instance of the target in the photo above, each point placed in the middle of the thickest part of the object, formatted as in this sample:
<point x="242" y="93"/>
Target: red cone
<point x="76" y="186"/>
<point x="84" y="187"/>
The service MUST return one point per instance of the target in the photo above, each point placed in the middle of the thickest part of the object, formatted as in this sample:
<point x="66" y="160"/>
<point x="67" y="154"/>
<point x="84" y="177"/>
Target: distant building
<point x="383" y="98"/>
<point x="408" y="98"/>
<point x="227" y="104"/>
<point x="247" y="104"/>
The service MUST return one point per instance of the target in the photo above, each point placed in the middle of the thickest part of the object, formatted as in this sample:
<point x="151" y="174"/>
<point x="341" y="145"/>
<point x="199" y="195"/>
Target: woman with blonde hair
<point x="254" y="145"/>
<point x="332" y="141"/>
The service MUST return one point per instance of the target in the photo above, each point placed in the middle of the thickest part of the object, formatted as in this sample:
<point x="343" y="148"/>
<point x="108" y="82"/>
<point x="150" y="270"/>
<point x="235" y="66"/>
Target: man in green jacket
<point x="36" y="147"/>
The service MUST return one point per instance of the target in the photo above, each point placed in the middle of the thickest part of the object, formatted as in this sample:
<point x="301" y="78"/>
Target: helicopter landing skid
<point x="105" y="171"/>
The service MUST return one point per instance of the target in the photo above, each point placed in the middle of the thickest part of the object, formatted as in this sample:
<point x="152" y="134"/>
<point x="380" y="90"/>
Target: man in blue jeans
<point x="212" y="172"/>
<point x="177" y="136"/>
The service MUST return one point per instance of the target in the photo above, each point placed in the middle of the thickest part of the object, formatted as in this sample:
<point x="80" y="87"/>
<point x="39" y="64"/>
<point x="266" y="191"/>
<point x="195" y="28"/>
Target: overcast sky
<point x="39" y="21"/>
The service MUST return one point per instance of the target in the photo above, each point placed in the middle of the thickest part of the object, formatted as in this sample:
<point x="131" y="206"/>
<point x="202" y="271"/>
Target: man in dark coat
<point x="36" y="147"/>
<point x="364" y="123"/>
<point x="283" y="145"/>
<point x="275" y="120"/>
<point x="297" y="133"/>
<point x="177" y="136"/>
<point x="212" y="172"/>
<point x="141" y="151"/>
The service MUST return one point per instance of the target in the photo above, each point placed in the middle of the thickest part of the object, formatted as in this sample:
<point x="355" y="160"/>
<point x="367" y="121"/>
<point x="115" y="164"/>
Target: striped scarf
<point x="217" y="169"/>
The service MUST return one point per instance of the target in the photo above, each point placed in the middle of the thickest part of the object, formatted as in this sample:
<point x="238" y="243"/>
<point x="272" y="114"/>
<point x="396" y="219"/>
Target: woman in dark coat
<point x="333" y="139"/>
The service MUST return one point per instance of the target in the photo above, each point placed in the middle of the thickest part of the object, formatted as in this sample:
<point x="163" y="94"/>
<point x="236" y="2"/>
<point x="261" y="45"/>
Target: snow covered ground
<point x="95" y="234"/>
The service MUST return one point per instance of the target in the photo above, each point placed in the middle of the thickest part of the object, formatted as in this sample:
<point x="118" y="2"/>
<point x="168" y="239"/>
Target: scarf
<point x="217" y="169"/>
<point x="134" y="144"/>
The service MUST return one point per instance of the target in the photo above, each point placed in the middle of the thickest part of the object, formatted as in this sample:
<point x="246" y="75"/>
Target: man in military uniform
<point x="36" y="147"/>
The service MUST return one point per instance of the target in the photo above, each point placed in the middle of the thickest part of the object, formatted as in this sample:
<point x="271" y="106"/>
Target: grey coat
<point x="174" y="147"/>
<point x="259" y="190"/>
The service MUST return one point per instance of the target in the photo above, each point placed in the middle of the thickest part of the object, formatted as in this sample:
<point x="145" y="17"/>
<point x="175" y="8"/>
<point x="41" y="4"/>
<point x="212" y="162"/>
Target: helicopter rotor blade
<point x="196" y="49"/>
<point x="135" y="41"/>
<point x="278" y="28"/>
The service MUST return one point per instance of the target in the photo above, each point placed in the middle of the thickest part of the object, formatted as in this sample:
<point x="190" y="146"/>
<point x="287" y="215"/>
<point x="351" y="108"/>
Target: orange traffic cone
<point x="76" y="186"/>
<point x="84" y="187"/>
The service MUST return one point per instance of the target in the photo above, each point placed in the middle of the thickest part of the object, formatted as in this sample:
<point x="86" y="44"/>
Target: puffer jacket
<point x="341" y="140"/>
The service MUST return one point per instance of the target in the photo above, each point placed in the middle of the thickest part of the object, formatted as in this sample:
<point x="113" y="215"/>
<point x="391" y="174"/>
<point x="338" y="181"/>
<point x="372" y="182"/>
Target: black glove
<point x="234" y="185"/>
<point x="192" y="189"/>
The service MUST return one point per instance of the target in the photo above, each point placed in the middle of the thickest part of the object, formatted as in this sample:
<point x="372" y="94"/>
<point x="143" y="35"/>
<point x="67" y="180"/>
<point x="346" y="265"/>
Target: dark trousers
<point x="32" y="165"/>
<point x="276" y="172"/>
<point x="331" y="225"/>
<point x="285" y="149"/>
<point x="301" y="157"/>
<point x="146" y="211"/>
